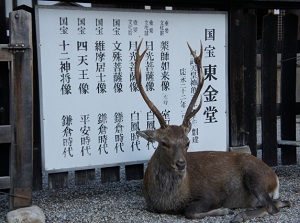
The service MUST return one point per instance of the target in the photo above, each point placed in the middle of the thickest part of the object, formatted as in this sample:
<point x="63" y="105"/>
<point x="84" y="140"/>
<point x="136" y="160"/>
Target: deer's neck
<point x="167" y="188"/>
<point x="167" y="178"/>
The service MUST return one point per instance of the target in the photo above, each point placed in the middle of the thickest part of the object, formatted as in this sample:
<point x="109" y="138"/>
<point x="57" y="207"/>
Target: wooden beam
<point x="288" y="143"/>
<point x="5" y="133"/>
<point x="5" y="55"/>
<point x="4" y="182"/>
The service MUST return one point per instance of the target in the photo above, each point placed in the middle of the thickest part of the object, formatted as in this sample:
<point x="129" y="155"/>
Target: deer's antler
<point x="138" y="77"/>
<point x="190" y="112"/>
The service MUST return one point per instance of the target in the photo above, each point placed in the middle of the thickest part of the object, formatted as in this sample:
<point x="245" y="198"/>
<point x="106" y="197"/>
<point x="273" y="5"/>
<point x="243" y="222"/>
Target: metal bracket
<point x="16" y="47"/>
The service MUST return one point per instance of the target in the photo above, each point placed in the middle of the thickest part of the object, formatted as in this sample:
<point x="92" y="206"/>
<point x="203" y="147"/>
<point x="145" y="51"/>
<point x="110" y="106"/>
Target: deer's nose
<point x="180" y="164"/>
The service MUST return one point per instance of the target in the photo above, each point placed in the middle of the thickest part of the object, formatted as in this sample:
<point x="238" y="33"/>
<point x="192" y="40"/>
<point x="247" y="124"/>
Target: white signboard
<point x="90" y="105"/>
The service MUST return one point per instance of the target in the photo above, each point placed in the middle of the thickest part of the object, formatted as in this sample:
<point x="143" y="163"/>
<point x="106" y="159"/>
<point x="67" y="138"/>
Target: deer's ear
<point x="187" y="128"/>
<point x="149" y="135"/>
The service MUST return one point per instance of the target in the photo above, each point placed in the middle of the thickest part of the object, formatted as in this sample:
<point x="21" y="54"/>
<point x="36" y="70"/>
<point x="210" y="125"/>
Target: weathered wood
<point x="21" y="110"/>
<point x="250" y="33"/>
<point x="37" y="167"/>
<point x="5" y="55"/>
<point x="134" y="172"/>
<point x="236" y="99"/>
<point x="110" y="174"/>
<point x="84" y="177"/>
<point x="288" y="88"/>
<point x="5" y="133"/>
<point x="58" y="180"/>
<point x="268" y="88"/>
<point x="4" y="182"/>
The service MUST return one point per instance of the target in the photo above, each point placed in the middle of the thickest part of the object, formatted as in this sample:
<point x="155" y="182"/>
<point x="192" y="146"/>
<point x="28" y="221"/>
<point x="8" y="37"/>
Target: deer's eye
<point x="187" y="145"/>
<point x="163" y="144"/>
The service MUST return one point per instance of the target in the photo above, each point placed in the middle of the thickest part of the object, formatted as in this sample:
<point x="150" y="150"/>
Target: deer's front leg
<point x="201" y="209"/>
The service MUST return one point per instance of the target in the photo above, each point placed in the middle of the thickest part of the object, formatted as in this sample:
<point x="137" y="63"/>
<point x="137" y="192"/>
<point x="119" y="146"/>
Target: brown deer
<point x="200" y="184"/>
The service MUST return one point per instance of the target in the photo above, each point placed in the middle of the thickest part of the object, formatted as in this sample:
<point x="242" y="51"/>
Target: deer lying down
<point x="200" y="184"/>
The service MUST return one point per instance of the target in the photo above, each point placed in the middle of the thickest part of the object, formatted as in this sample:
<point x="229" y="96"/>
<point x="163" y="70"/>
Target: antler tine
<point x="138" y="77"/>
<point x="190" y="112"/>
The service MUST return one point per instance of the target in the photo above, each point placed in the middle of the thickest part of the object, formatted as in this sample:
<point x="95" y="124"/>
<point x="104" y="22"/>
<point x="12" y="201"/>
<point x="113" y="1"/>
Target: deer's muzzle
<point x="180" y="164"/>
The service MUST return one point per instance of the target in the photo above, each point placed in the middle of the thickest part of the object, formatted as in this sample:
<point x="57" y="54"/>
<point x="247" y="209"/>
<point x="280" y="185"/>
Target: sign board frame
<point x="69" y="51"/>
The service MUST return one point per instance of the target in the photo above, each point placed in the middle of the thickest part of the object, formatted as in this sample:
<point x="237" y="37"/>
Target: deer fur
<point x="200" y="184"/>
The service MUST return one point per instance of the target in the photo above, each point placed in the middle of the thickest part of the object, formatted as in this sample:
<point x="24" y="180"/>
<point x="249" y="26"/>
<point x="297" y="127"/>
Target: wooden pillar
<point x="268" y="89"/>
<point x="250" y="33"/>
<point x="236" y="79"/>
<point x="288" y="88"/>
<point x="21" y="115"/>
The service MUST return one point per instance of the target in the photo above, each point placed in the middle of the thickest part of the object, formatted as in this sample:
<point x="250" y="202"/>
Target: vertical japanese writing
<point x="210" y="34"/>
<point x="132" y="56"/>
<point x="149" y="66"/>
<point x="99" y="26"/>
<point x="210" y="75"/>
<point x="81" y="26"/>
<point x="85" y="139"/>
<point x="82" y="48"/>
<point x="182" y="84"/>
<point x="210" y="51"/>
<point x="65" y="67"/>
<point x="195" y="135"/>
<point x="150" y="126"/>
<point x="63" y="25"/>
<point x="194" y="84"/>
<point x="148" y="27"/>
<point x="67" y="139"/>
<point x="165" y="67"/>
<point x="132" y="27"/>
<point x="117" y="67"/>
<point x="135" y="123"/>
<point x="116" y="27"/>
<point x="100" y="66"/>
<point x="119" y="127"/>
<point x="102" y="133"/>
<point x="164" y="27"/>
<point x="166" y="115"/>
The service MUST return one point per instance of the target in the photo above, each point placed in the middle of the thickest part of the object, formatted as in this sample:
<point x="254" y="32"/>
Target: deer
<point x="204" y="183"/>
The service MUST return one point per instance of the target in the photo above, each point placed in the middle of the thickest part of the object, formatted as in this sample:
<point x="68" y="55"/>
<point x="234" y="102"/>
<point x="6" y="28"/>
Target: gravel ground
<point x="123" y="201"/>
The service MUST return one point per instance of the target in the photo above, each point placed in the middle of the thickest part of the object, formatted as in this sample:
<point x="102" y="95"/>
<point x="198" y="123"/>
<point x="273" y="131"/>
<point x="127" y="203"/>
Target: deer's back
<point x="222" y="174"/>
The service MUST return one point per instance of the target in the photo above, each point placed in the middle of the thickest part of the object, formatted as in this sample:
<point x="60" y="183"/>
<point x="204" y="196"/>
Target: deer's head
<point x="173" y="141"/>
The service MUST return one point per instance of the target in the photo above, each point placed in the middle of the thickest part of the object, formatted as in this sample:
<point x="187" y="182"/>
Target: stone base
<point x="32" y="214"/>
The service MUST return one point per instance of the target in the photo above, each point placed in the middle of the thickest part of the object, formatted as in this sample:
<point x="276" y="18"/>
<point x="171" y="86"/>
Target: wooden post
<point x="58" y="180"/>
<point x="268" y="85"/>
<point x="84" y="177"/>
<point x="250" y="28"/>
<point x="288" y="88"/>
<point x="21" y="115"/>
<point x="110" y="174"/>
<point x="236" y="82"/>
<point x="134" y="172"/>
